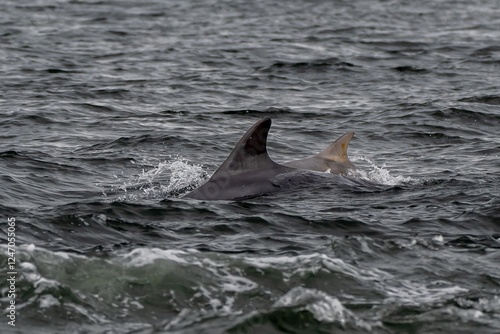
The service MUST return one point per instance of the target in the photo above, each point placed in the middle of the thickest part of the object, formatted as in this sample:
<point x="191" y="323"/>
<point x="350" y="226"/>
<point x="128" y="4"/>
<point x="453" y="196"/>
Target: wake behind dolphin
<point x="249" y="171"/>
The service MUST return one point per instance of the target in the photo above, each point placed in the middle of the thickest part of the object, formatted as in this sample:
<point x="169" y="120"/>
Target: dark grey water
<point x="111" y="110"/>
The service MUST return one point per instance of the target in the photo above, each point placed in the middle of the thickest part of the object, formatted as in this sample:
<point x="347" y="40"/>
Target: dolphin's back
<point x="247" y="172"/>
<point x="332" y="159"/>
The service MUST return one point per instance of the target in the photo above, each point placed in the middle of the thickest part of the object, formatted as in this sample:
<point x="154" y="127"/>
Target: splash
<point x="378" y="174"/>
<point x="175" y="177"/>
<point x="184" y="176"/>
<point x="323" y="306"/>
<point x="153" y="183"/>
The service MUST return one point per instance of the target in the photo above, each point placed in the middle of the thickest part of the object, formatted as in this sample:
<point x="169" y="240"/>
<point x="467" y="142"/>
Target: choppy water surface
<point x="112" y="110"/>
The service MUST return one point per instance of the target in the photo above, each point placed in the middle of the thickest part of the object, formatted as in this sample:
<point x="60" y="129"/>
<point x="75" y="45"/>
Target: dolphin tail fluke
<point x="337" y="151"/>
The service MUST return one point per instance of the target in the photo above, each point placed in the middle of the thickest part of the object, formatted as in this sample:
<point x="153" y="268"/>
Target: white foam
<point x="323" y="306"/>
<point x="151" y="183"/>
<point x="42" y="284"/>
<point x="396" y="290"/>
<point x="140" y="257"/>
<point x="438" y="239"/>
<point x="378" y="174"/>
<point x="228" y="281"/>
<point x="184" y="175"/>
<point x="30" y="272"/>
<point x="136" y="304"/>
<point x="46" y="301"/>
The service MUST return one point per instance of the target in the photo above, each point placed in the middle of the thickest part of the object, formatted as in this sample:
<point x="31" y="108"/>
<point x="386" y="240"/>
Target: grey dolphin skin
<point x="249" y="171"/>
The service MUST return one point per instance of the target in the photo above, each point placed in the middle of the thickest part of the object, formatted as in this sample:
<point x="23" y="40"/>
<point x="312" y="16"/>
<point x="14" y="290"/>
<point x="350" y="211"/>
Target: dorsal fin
<point x="337" y="151"/>
<point x="250" y="152"/>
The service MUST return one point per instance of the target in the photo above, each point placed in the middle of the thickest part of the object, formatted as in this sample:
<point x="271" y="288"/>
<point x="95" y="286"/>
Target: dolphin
<point x="247" y="172"/>
<point x="332" y="159"/>
<point x="250" y="172"/>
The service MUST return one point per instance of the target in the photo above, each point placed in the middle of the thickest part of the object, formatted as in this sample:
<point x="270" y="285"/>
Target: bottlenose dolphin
<point x="332" y="159"/>
<point x="249" y="171"/>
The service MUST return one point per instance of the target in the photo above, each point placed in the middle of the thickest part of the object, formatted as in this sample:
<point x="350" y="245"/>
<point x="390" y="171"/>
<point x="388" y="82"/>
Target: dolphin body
<point x="332" y="159"/>
<point x="249" y="171"/>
